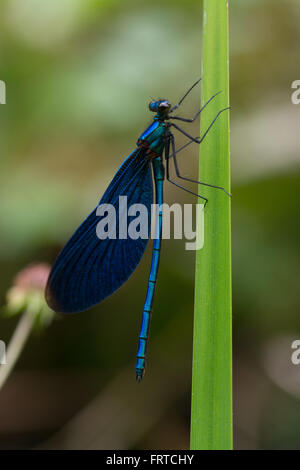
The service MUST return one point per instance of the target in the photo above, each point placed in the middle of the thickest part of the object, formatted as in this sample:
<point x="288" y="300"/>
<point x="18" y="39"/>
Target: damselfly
<point x="89" y="269"/>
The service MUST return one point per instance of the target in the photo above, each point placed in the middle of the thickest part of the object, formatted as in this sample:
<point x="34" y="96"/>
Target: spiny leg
<point x="198" y="113"/>
<point x="174" y="182"/>
<point x="183" y="147"/>
<point x="184" y="177"/>
<point x="184" y="96"/>
<point x="205" y="133"/>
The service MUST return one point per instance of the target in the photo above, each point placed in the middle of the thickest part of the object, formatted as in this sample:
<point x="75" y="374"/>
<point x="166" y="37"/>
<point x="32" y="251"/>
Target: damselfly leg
<point x="198" y="113"/>
<point x="194" y="139"/>
<point x="167" y="157"/>
<point x="171" y="141"/>
<point x="184" y="96"/>
<point x="186" y="178"/>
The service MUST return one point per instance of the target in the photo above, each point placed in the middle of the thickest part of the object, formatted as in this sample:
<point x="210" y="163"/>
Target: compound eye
<point x="152" y="105"/>
<point x="164" y="104"/>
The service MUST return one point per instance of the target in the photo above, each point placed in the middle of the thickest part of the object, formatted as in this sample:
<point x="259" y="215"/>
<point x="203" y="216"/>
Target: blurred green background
<point x="79" y="76"/>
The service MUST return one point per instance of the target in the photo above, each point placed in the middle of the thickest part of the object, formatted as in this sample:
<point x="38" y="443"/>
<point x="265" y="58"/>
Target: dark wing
<point x="88" y="269"/>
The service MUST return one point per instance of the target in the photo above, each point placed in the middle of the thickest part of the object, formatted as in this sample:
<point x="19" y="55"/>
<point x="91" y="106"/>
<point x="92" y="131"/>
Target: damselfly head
<point x="160" y="106"/>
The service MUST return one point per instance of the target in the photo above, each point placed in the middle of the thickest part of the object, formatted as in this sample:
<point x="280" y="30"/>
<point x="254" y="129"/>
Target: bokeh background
<point x="79" y="76"/>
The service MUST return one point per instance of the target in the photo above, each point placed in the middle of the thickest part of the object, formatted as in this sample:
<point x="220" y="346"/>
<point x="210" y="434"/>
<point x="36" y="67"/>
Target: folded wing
<point x="88" y="269"/>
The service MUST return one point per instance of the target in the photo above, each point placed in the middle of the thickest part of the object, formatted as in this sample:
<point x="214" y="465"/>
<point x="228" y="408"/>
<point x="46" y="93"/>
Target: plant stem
<point x="211" y="418"/>
<point x="16" y="345"/>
